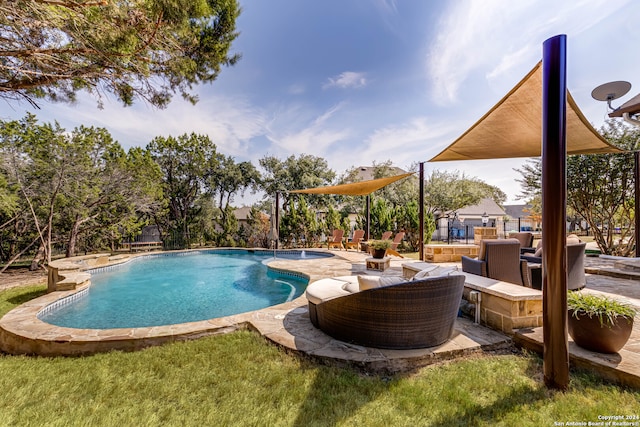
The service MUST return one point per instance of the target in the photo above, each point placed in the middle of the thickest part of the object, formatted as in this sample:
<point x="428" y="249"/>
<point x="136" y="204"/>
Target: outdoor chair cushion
<point x="370" y="282"/>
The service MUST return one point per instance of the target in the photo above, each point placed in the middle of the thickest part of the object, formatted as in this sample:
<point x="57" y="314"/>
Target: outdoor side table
<point x="378" y="264"/>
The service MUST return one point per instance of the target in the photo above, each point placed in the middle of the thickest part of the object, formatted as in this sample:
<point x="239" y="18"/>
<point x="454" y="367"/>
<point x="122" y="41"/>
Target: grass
<point x="241" y="379"/>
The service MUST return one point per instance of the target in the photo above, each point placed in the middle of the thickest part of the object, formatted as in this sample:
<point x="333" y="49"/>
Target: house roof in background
<point x="242" y="213"/>
<point x="366" y="173"/>
<point x="517" y="211"/>
<point x="488" y="206"/>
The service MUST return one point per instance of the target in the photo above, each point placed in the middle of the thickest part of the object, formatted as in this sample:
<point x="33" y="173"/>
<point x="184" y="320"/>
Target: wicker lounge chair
<point x="416" y="314"/>
<point x="354" y="243"/>
<point x="500" y="260"/>
<point x="525" y="238"/>
<point x="575" y="267"/>
<point x="336" y="240"/>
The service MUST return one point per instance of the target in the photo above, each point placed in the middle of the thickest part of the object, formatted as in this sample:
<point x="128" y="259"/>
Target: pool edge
<point x="22" y="332"/>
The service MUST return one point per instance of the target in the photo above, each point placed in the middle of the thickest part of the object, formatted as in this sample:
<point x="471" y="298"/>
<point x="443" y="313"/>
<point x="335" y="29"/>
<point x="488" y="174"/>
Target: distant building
<point x="461" y="220"/>
<point x="366" y="173"/>
<point x="518" y="217"/>
<point x="242" y="215"/>
<point x="516" y="211"/>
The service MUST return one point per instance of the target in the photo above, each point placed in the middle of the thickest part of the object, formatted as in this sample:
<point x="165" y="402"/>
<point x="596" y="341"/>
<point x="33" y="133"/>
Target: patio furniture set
<point x="419" y="308"/>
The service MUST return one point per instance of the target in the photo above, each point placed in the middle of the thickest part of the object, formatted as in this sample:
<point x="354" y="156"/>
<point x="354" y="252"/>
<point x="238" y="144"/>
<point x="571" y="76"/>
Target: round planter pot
<point x="588" y="333"/>
<point x="378" y="253"/>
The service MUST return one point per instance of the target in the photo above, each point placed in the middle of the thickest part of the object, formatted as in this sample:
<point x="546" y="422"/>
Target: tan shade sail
<point x="513" y="128"/>
<point x="361" y="188"/>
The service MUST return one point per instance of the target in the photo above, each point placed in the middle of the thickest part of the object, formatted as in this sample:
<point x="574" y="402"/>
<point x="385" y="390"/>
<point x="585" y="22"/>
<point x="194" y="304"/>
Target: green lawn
<point x="241" y="379"/>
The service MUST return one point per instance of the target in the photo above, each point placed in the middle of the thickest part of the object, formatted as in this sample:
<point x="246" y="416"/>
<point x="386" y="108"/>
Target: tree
<point x="147" y="49"/>
<point x="36" y="163"/>
<point x="601" y="190"/>
<point x="299" y="225"/>
<point x="184" y="162"/>
<point x="226" y="180"/>
<point x="382" y="214"/>
<point x="449" y="191"/>
<point x="306" y="171"/>
<point x="259" y="225"/>
<point x="73" y="184"/>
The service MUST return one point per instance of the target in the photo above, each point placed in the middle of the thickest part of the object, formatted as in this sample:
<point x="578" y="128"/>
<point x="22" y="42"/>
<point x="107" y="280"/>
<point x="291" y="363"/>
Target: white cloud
<point x="297" y="89"/>
<point x="230" y="122"/>
<point x="474" y="36"/>
<point x="348" y="79"/>
<point x="406" y="143"/>
<point x="297" y="130"/>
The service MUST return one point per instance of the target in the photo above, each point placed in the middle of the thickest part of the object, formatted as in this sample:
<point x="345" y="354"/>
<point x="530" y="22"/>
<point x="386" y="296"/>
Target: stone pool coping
<point x="22" y="332"/>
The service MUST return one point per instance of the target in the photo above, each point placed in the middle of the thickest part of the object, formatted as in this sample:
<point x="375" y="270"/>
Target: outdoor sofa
<point x="410" y="314"/>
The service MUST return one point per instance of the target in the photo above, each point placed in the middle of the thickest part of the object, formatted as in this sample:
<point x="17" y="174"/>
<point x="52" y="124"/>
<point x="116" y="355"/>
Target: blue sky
<point x="358" y="81"/>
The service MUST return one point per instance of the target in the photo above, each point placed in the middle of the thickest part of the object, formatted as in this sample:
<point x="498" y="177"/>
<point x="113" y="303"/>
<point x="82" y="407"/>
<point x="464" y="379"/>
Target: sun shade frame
<point x="513" y="128"/>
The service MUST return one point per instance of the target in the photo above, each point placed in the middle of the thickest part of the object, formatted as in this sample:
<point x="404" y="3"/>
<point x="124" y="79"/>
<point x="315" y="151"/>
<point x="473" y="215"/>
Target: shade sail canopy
<point x="361" y="188"/>
<point x="513" y="128"/>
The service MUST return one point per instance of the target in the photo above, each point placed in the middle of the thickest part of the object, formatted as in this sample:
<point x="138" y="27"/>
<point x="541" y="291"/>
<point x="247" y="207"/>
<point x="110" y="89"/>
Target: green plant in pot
<point x="379" y="248"/>
<point x="599" y="323"/>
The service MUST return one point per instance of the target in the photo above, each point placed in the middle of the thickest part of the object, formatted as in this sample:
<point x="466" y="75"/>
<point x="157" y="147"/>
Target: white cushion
<point x="444" y="271"/>
<point x="435" y="272"/>
<point x="325" y="289"/>
<point x="368" y="282"/>
<point x="391" y="280"/>
<point x="351" y="286"/>
<point x="424" y="273"/>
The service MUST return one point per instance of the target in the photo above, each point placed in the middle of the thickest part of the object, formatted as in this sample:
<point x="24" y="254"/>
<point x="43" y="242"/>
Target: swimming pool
<point x="182" y="287"/>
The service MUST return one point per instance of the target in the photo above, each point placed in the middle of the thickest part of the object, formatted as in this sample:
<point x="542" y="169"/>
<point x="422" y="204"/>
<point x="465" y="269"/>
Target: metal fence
<point x="463" y="232"/>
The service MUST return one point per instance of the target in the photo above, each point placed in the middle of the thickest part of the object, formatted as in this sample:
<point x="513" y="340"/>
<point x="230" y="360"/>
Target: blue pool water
<point x="179" y="288"/>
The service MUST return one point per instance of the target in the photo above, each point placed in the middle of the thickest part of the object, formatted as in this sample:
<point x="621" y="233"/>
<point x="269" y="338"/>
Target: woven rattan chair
<point x="525" y="238"/>
<point x="575" y="267"/>
<point x="416" y="314"/>
<point x="500" y="260"/>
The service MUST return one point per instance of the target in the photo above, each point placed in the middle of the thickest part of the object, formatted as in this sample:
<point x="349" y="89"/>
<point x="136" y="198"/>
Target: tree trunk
<point x="73" y="237"/>
<point x="39" y="256"/>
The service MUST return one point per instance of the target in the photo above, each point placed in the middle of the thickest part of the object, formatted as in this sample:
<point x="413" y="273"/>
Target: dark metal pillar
<point x="636" y="196"/>
<point x="368" y="226"/>
<point x="421" y="213"/>
<point x="554" y="213"/>
<point x="277" y="219"/>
